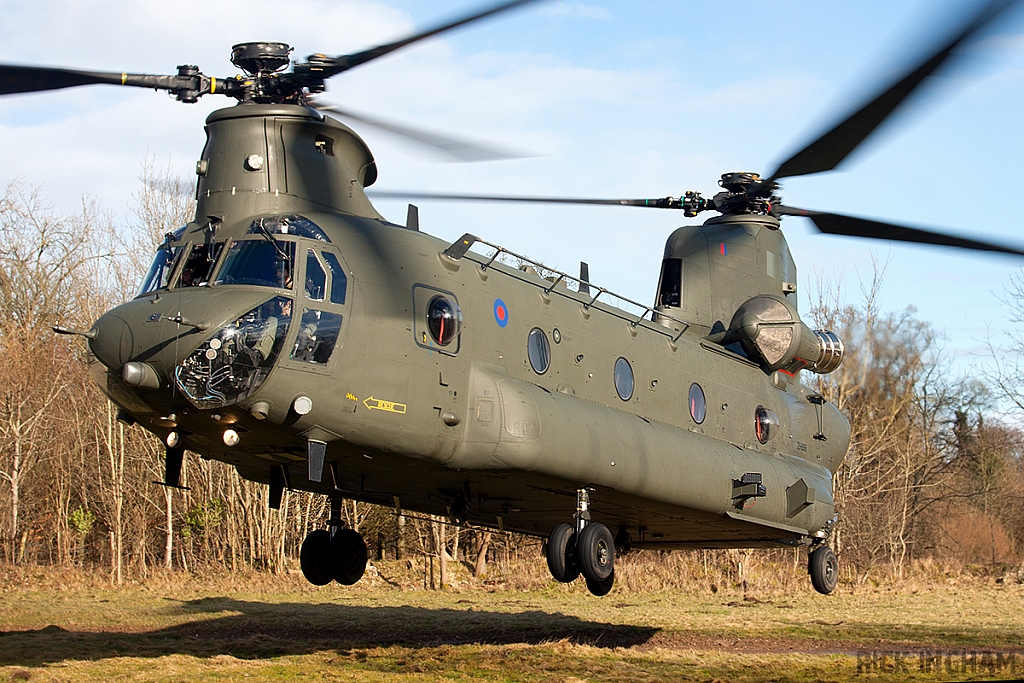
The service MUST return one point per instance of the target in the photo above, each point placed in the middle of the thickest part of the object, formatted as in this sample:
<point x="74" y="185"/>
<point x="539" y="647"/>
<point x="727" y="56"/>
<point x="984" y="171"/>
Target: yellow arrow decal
<point x="388" y="406"/>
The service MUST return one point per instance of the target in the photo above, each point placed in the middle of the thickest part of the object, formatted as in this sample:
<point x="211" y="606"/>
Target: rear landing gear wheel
<point x="561" y="554"/>
<point x="315" y="558"/>
<point x="596" y="552"/>
<point x="347" y="556"/>
<point x="600" y="588"/>
<point x="823" y="566"/>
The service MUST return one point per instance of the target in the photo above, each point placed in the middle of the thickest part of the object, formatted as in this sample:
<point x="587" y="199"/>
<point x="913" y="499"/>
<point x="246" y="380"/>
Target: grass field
<point x="64" y="627"/>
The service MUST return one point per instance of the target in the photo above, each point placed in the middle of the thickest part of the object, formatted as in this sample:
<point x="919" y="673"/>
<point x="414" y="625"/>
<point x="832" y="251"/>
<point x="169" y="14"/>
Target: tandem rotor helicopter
<point x="291" y="331"/>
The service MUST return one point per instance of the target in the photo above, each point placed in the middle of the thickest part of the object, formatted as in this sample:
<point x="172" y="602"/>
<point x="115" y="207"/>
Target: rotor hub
<point x="260" y="58"/>
<point x="738" y="182"/>
<point x="745" y="194"/>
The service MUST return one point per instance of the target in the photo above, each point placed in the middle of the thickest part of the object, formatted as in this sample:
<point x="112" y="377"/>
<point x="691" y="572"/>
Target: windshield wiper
<point x="269" y="236"/>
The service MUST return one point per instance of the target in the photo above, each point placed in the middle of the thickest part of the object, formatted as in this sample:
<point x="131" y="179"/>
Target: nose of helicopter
<point x="218" y="358"/>
<point x="112" y="344"/>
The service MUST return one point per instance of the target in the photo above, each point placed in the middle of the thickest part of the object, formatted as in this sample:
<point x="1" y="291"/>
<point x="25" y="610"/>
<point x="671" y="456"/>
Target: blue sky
<point x="614" y="99"/>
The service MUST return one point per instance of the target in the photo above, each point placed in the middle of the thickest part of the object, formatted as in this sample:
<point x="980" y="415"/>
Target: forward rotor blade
<point x="455" y="148"/>
<point x="188" y="85"/>
<point x="839" y="224"/>
<point x="829" y="150"/>
<point x="335" y="65"/>
<point x="20" y="79"/>
<point x="663" y="203"/>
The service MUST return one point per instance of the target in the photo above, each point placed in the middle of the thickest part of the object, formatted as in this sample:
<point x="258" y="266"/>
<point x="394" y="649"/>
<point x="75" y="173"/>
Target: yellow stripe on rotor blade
<point x="124" y="77"/>
<point x="213" y="85"/>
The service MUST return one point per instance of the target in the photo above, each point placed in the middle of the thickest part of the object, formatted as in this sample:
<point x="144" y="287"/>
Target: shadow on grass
<point x="257" y="630"/>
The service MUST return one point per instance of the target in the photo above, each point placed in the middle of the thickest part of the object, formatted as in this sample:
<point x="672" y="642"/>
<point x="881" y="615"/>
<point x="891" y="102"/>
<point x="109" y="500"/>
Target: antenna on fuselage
<point x="584" y="277"/>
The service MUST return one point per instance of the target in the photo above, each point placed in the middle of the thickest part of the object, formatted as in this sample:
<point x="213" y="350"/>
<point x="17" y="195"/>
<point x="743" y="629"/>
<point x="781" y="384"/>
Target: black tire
<point x="561" y="554"/>
<point x="348" y="556"/>
<point x="823" y="566"/>
<point x="315" y="557"/>
<point x="596" y="552"/>
<point x="600" y="588"/>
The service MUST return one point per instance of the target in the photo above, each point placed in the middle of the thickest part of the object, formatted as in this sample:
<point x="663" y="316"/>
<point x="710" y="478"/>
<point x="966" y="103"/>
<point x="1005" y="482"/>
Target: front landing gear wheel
<point x="596" y="552"/>
<point x="600" y="588"/>
<point x="561" y="554"/>
<point x="348" y="556"/>
<point x="315" y="558"/>
<point x="823" y="566"/>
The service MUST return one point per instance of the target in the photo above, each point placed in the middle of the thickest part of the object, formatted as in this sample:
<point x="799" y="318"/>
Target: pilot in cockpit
<point x="278" y="318"/>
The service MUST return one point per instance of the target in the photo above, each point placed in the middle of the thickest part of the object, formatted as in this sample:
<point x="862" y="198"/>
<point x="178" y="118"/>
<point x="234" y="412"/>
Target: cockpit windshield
<point x="258" y="262"/>
<point x="199" y="264"/>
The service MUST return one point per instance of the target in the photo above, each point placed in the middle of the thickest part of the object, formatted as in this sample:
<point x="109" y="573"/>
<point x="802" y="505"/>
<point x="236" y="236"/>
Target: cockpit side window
<point x="316" y="278"/>
<point x="160" y="270"/>
<point x="199" y="264"/>
<point x="318" y="333"/>
<point x="258" y="262"/>
<point x="339" y="282"/>
<point x="159" y="274"/>
<point x="319" y="329"/>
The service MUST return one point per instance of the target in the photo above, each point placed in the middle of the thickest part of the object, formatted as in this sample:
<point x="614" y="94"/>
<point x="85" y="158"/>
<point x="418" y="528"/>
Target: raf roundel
<point x="500" y="313"/>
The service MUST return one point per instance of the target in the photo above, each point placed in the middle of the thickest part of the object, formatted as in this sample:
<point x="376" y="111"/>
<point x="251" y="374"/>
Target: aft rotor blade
<point x="839" y="224"/>
<point x="455" y="148"/>
<point x="663" y="203"/>
<point x="335" y="65"/>
<point x="829" y="150"/>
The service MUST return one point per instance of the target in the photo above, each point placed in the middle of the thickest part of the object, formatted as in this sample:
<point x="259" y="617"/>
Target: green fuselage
<point x="454" y="410"/>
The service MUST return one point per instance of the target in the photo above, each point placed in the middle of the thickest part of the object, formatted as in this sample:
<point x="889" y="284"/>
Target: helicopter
<point x="292" y="332"/>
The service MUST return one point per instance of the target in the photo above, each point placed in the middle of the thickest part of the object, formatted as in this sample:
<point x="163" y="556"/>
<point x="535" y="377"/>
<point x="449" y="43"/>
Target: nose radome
<point x="113" y="342"/>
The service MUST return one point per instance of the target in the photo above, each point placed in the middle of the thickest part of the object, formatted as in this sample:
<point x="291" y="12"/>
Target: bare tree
<point x="1007" y="374"/>
<point x="42" y="255"/>
<point x="483" y="545"/>
<point x="900" y="399"/>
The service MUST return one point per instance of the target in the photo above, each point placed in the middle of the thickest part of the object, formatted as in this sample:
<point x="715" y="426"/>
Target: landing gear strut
<point x="338" y="554"/>
<point x="823" y="566"/>
<point x="587" y="549"/>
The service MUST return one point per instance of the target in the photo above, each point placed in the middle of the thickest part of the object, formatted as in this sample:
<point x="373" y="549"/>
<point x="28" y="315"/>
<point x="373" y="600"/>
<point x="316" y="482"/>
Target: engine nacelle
<point x="770" y="329"/>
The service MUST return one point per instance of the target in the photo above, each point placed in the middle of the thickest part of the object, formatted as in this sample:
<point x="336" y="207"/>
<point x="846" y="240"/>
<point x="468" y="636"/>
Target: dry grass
<point x="61" y="625"/>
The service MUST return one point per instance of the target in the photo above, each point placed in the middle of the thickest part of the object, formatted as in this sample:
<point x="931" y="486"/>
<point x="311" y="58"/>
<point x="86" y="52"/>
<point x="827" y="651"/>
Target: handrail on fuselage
<point x="460" y="247"/>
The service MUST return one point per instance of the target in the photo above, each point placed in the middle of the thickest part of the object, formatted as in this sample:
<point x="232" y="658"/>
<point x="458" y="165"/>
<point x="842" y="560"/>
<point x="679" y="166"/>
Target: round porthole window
<point x="764" y="422"/>
<point x="442" y="320"/>
<point x="698" y="406"/>
<point x="623" y="379"/>
<point x="538" y="350"/>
